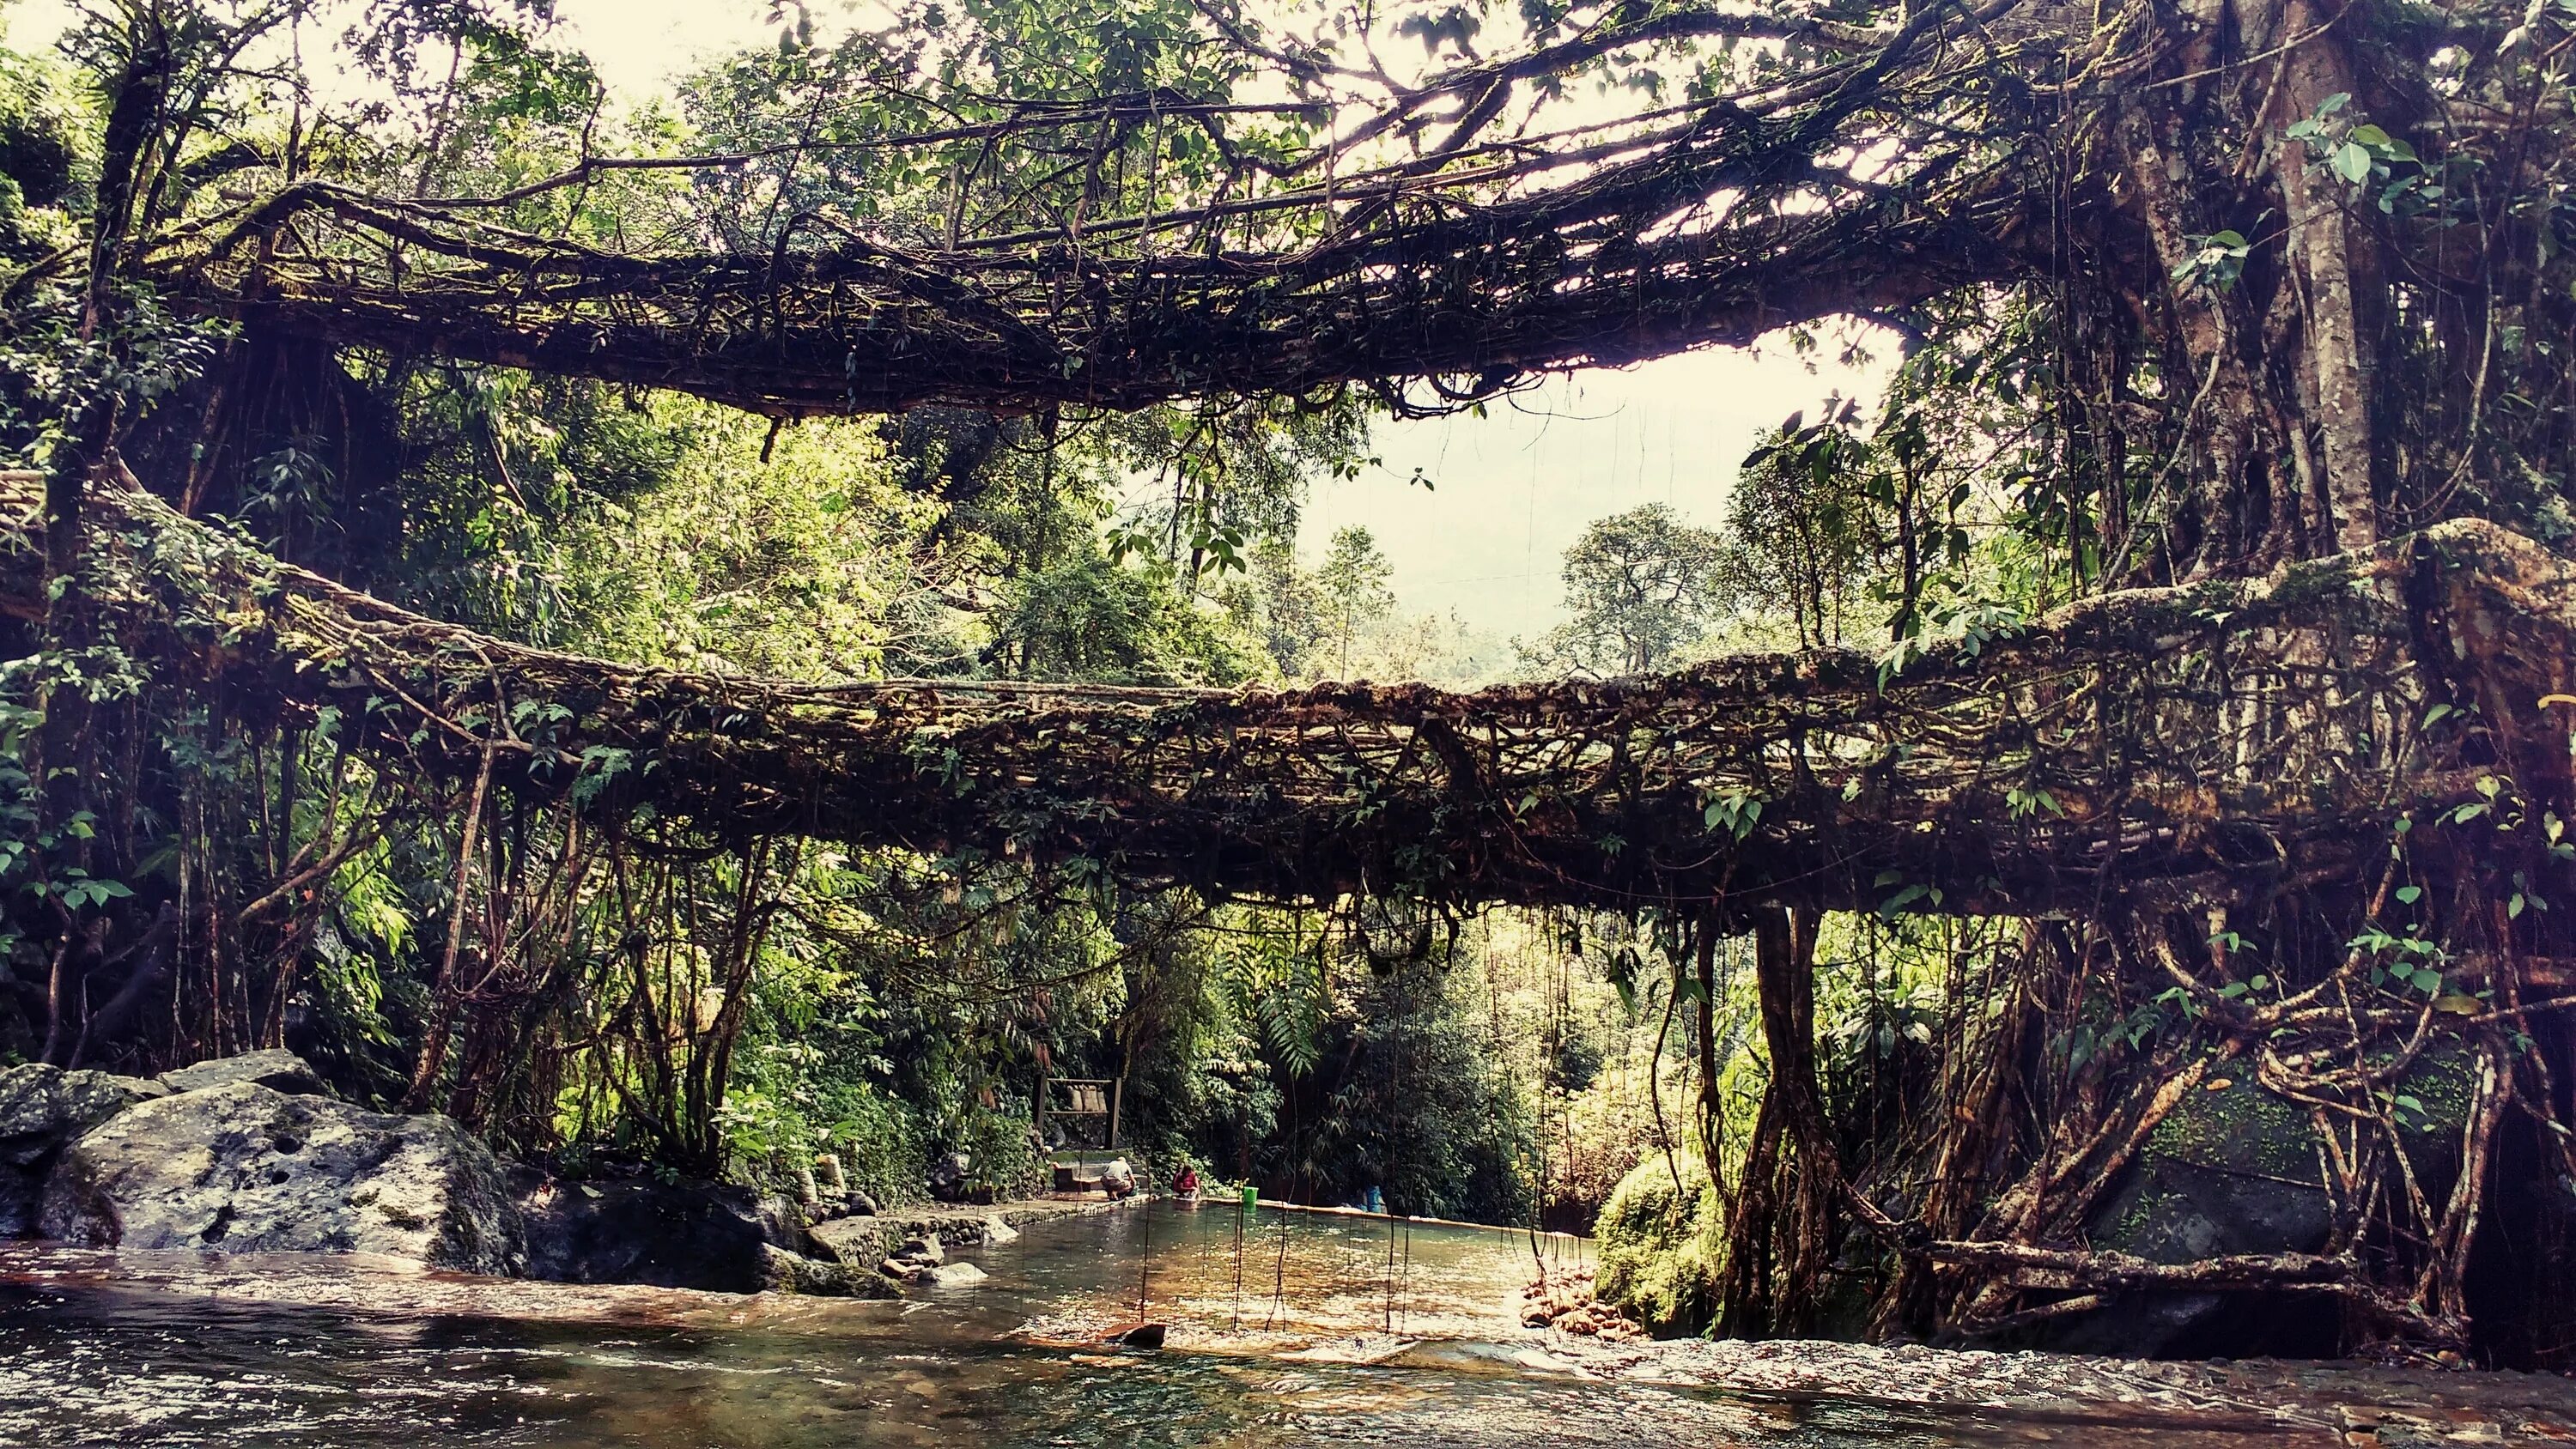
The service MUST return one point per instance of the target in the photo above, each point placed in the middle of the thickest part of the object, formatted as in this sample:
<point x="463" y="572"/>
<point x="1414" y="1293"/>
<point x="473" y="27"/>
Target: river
<point x="1321" y="1330"/>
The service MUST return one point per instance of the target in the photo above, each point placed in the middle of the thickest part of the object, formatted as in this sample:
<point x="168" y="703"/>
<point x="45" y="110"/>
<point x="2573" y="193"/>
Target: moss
<point x="2244" y="1125"/>
<point x="2228" y="1170"/>
<point x="1660" y="1250"/>
<point x="2153" y="1204"/>
<point x="2244" y="1133"/>
<point x="2444" y="1081"/>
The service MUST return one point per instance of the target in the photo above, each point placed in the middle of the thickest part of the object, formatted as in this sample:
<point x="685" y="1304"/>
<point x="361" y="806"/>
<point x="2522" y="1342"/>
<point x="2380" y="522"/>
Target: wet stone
<point x="208" y="1168"/>
<point x="42" y="1108"/>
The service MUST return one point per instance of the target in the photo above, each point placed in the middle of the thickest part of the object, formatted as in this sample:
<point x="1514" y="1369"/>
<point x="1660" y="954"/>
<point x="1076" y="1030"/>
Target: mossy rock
<point x="1660" y="1250"/>
<point x="2236" y="1168"/>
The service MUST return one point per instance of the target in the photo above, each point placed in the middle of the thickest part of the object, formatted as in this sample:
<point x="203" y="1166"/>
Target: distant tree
<point x="1088" y="619"/>
<point x="1353" y="580"/>
<point x="1640" y="588"/>
<point x="1829" y="526"/>
<point x="1280" y="605"/>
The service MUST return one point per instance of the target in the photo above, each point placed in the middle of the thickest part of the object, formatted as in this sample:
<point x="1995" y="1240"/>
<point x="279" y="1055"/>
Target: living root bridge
<point x="2222" y="741"/>
<point x="863" y="328"/>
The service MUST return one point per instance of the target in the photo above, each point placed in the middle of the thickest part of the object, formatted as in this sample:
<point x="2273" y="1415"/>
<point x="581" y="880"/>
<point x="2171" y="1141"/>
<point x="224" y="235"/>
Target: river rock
<point x="998" y="1232"/>
<point x="245" y="1168"/>
<point x="795" y="1273"/>
<point x="859" y="1242"/>
<point x="43" y="1107"/>
<point x="1142" y="1335"/>
<point x="918" y="1260"/>
<point x="669" y="1235"/>
<point x="956" y="1275"/>
<point x="279" y="1071"/>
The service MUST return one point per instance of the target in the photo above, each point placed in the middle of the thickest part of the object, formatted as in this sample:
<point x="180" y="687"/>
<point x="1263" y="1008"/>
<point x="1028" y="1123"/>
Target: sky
<point x="1510" y="490"/>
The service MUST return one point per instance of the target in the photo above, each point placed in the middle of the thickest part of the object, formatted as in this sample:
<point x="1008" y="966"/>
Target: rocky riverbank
<point x="253" y="1154"/>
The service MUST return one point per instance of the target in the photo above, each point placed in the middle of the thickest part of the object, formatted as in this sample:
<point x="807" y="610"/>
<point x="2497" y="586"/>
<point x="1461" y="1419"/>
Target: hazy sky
<point x="1511" y="490"/>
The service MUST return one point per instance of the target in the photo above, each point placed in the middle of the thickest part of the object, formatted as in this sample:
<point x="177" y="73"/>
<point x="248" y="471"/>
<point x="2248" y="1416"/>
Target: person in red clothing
<point x="1186" y="1184"/>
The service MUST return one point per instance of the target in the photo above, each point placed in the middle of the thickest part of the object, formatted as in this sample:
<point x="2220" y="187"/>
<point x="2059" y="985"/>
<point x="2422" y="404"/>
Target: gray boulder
<point x="245" y="1168"/>
<point x="919" y="1260"/>
<point x="41" y="1108"/>
<point x="279" y="1071"/>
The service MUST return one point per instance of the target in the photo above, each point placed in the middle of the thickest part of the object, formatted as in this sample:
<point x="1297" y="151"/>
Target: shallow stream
<point x="178" y="1349"/>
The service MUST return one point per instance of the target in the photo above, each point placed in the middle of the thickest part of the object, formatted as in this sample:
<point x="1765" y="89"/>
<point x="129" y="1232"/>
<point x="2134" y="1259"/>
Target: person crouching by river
<point x="1185" y="1185"/>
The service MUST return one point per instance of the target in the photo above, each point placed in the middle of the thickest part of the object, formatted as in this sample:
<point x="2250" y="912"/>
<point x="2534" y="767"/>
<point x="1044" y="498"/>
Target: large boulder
<point x="246" y="1168"/>
<point x="2236" y="1168"/>
<point x="670" y="1235"/>
<point x="41" y="1108"/>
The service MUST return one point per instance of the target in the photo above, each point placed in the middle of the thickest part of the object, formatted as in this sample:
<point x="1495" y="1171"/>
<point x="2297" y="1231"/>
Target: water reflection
<point x="172" y="1350"/>
<point x="1269" y="1281"/>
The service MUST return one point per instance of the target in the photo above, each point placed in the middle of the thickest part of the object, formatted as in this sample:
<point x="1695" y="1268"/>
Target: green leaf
<point x="2351" y="162"/>
<point x="1902" y="899"/>
<point x="2409" y="895"/>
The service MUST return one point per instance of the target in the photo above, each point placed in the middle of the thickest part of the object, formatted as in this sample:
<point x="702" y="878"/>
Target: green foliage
<point x="799" y="568"/>
<point x="1089" y="619"/>
<point x="44" y="160"/>
<point x="2379" y="166"/>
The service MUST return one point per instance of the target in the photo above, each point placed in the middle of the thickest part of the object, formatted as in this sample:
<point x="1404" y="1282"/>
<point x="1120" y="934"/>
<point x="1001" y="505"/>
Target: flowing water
<point x="1318" y="1330"/>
